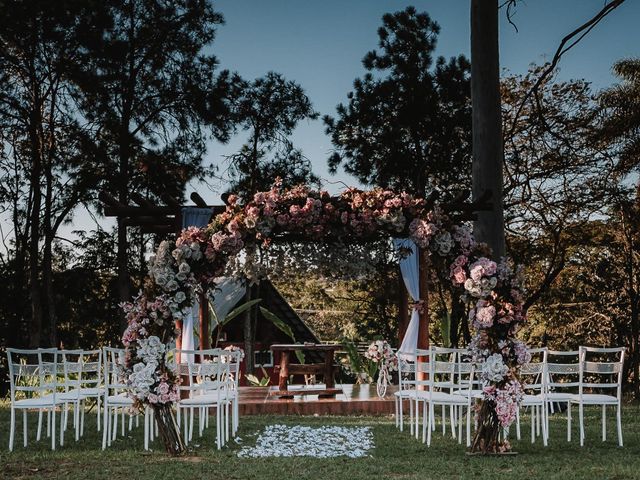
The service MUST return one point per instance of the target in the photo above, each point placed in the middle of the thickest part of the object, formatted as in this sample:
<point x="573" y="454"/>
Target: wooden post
<point x="423" y="330"/>
<point x="487" y="123"/>
<point x="178" y="340"/>
<point x="203" y="314"/>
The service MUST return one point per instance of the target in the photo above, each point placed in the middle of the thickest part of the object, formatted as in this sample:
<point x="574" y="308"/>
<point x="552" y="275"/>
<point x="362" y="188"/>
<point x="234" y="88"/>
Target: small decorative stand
<point x="383" y="380"/>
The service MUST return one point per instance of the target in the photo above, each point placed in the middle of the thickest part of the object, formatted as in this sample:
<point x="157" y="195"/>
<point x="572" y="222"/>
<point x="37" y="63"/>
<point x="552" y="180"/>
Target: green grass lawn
<point x="396" y="455"/>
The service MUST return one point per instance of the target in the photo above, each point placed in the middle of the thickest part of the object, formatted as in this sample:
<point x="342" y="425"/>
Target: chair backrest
<point x="406" y="371"/>
<point x="113" y="371"/>
<point x="82" y="369"/>
<point x="601" y="368"/>
<point x="563" y="370"/>
<point x="33" y="372"/>
<point x="448" y="369"/>
<point x="534" y="373"/>
<point x="207" y="370"/>
<point x="422" y="362"/>
<point x="444" y="364"/>
<point x="233" y="358"/>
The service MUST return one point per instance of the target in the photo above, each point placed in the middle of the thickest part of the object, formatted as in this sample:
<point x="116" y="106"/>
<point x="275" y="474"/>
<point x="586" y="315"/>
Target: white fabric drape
<point x="192" y="217"/>
<point x="410" y="269"/>
<point x="229" y="291"/>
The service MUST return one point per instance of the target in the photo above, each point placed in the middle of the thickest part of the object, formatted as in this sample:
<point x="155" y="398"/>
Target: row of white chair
<point x="445" y="377"/>
<point x="47" y="380"/>
<point x="51" y="380"/>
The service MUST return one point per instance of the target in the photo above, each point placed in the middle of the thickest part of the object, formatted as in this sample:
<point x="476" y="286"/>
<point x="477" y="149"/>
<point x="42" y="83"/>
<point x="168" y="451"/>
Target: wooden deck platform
<point x="354" y="400"/>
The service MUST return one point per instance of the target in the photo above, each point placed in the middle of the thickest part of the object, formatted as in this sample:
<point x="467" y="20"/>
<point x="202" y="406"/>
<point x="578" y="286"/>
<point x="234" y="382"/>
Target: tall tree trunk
<point x="47" y="262"/>
<point x="487" y="122"/>
<point x="122" y="261"/>
<point x="34" y="237"/>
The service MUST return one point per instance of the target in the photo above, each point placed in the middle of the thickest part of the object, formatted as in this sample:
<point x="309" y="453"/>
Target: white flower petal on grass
<point x="317" y="442"/>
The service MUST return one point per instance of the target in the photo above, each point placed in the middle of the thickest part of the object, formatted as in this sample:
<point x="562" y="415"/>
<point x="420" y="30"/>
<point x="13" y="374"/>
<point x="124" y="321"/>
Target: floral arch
<point x="492" y="290"/>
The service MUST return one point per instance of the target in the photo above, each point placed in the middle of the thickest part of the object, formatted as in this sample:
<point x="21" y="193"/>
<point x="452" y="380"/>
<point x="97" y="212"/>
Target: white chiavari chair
<point x="441" y="374"/>
<point x="406" y="389"/>
<point x="208" y="387"/>
<point x="82" y="370"/>
<point x="33" y="386"/>
<point x="600" y="370"/>
<point x="533" y="377"/>
<point x="563" y="380"/>
<point x="115" y="401"/>
<point x="234" y="358"/>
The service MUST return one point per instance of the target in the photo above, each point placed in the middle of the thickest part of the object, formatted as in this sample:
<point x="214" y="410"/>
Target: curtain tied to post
<point x="410" y="269"/>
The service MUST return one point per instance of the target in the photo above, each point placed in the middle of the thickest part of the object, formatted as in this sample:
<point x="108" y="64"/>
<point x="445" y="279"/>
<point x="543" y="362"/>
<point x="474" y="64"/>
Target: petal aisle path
<point x="318" y="442"/>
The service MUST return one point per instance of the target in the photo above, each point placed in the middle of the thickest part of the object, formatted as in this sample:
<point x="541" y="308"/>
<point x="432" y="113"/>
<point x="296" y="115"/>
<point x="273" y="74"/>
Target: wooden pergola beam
<point x="158" y="229"/>
<point x="169" y="200"/>
<point x="109" y="200"/>
<point x="198" y="200"/>
<point x="140" y="200"/>
<point x="139" y="221"/>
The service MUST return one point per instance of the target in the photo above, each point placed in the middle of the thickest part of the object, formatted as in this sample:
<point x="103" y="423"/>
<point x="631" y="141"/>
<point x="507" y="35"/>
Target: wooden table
<point x="327" y="369"/>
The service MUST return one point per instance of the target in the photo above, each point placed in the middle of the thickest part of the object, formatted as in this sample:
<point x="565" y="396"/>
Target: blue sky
<point x="320" y="44"/>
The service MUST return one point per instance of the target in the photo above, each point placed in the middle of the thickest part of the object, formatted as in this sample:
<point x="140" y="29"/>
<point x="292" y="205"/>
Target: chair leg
<point x="581" y="415"/>
<point x="416" y="413"/>
<point x="76" y="420"/>
<point x="218" y="428"/>
<point x="452" y="420"/>
<point x="12" y="429"/>
<point x="469" y="410"/>
<point x="431" y="416"/>
<point x="53" y="426"/>
<point x="62" y="431"/>
<point x="533" y="424"/>
<point x="146" y="429"/>
<point x="604" y="423"/>
<point x="568" y="421"/>
<point x="545" y="425"/>
<point x="39" y="432"/>
<point x="426" y="424"/>
<point x="191" y="415"/>
<point x="619" y="423"/>
<point x="24" y="427"/>
<point x="518" y="424"/>
<point x="105" y="425"/>
<point x="98" y="411"/>
<point x="186" y="427"/>
<point x="226" y="421"/>
<point x="81" y="419"/>
<point x="114" y="426"/>
<point x="236" y="414"/>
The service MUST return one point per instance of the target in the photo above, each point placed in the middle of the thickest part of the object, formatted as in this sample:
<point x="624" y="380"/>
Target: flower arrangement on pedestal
<point x="381" y="356"/>
<point x="199" y="255"/>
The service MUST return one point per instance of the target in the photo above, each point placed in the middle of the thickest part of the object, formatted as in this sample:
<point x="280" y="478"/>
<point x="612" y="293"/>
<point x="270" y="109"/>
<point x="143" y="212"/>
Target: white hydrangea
<point x="494" y="369"/>
<point x="151" y="350"/>
<point x="443" y="243"/>
<point x="142" y="378"/>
